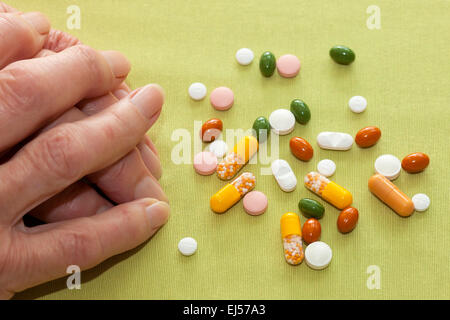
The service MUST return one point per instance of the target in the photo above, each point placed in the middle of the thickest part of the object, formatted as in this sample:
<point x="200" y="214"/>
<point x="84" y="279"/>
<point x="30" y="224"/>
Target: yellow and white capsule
<point x="291" y="233"/>
<point x="226" y="197"/>
<point x="237" y="158"/>
<point x="328" y="190"/>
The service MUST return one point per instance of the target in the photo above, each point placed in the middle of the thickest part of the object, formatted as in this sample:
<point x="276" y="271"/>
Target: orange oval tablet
<point x="367" y="137"/>
<point x="347" y="220"/>
<point x="415" y="162"/>
<point x="301" y="148"/>
<point x="311" y="230"/>
<point x="211" y="129"/>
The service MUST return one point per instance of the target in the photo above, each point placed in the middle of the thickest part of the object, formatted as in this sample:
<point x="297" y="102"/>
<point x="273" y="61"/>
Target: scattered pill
<point x="311" y="208"/>
<point x="284" y="175"/>
<point x="367" y="137"/>
<point x="357" y="104"/>
<point x="187" y="246"/>
<point x="388" y="166"/>
<point x="291" y="233"/>
<point x="262" y="128"/>
<point x="255" y="203"/>
<point x="205" y="163"/>
<point x="342" y="54"/>
<point x="219" y="148"/>
<point x="311" y="230"/>
<point x="288" y="66"/>
<point x="267" y="64"/>
<point x="230" y="194"/>
<point x="421" y="202"/>
<point x="347" y="220"/>
<point x="301" y="148"/>
<point x="318" y="255"/>
<point x="391" y="195"/>
<point x="301" y="111"/>
<point x="326" y="167"/>
<point x="328" y="190"/>
<point x="211" y="129"/>
<point x="244" y="56"/>
<point x="222" y="98"/>
<point x="282" y="121"/>
<point x="197" y="91"/>
<point x="237" y="158"/>
<point x="415" y="162"/>
<point x="335" y="140"/>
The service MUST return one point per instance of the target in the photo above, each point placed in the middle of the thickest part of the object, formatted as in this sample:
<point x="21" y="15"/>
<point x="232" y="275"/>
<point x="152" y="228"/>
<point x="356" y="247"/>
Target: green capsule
<point x="342" y="54"/>
<point x="267" y="64"/>
<point x="261" y="123"/>
<point x="301" y="111"/>
<point x="311" y="208"/>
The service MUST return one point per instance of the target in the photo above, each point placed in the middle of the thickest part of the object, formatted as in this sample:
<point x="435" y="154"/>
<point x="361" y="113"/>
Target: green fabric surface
<point x="402" y="69"/>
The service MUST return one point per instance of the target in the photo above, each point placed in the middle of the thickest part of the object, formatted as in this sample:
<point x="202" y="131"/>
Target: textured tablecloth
<point x="403" y="69"/>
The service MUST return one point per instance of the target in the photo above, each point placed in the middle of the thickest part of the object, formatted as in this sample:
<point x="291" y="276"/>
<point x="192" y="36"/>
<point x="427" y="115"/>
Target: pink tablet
<point x="255" y="203"/>
<point x="222" y="98"/>
<point x="205" y="163"/>
<point x="288" y="66"/>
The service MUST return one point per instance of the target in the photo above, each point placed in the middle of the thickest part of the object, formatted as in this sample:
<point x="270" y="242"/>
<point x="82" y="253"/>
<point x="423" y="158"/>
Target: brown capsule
<point x="367" y="137"/>
<point x="211" y="129"/>
<point x="301" y="148"/>
<point x="415" y="162"/>
<point x="347" y="220"/>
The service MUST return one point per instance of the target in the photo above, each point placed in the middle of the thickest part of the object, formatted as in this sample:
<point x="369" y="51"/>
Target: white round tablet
<point x="282" y="121"/>
<point x="219" y="148"/>
<point x="318" y="255"/>
<point x="357" y="104"/>
<point x="326" y="167"/>
<point x="244" y="56"/>
<point x="187" y="246"/>
<point x="388" y="165"/>
<point x="421" y="202"/>
<point x="197" y="91"/>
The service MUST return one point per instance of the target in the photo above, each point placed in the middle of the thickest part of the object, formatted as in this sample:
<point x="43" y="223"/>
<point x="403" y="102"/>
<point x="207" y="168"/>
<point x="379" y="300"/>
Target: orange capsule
<point x="311" y="230"/>
<point x="347" y="220"/>
<point x="301" y="148"/>
<point x="415" y="162"/>
<point x="367" y="137"/>
<point x="211" y="129"/>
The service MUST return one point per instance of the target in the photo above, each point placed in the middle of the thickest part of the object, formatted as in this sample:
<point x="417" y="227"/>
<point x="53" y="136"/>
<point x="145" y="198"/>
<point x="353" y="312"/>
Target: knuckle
<point x="12" y="27"/>
<point x="89" y="59"/>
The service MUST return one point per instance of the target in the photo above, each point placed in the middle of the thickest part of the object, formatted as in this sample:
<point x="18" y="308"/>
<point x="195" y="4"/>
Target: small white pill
<point x="218" y="147"/>
<point x="318" y="255"/>
<point x="187" y="246"/>
<point x="326" y="167"/>
<point x="421" y="201"/>
<point x="284" y="175"/>
<point x="282" y="121"/>
<point x="357" y="104"/>
<point x="335" y="140"/>
<point x="244" y="56"/>
<point x="197" y="91"/>
<point x="388" y="165"/>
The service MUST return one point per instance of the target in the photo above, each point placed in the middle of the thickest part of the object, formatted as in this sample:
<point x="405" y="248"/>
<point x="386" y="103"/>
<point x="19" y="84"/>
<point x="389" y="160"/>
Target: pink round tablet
<point x="222" y="98"/>
<point x="205" y="163"/>
<point x="255" y="203"/>
<point x="288" y="66"/>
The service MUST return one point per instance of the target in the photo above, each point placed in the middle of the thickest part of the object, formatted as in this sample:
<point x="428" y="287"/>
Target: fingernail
<point x="149" y="188"/>
<point x="158" y="214"/>
<point x="38" y="21"/>
<point x="120" y="66"/>
<point x="148" y="100"/>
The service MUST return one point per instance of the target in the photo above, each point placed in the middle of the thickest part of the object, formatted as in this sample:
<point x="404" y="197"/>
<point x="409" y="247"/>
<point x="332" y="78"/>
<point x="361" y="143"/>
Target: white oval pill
<point x="218" y="147"/>
<point x="334" y="140"/>
<point x="187" y="246"/>
<point x="421" y="201"/>
<point x="197" y="91"/>
<point x="244" y="56"/>
<point x="282" y="121"/>
<point x="284" y="175"/>
<point x="326" y="167"/>
<point x="318" y="255"/>
<point x="388" y="165"/>
<point x="357" y="104"/>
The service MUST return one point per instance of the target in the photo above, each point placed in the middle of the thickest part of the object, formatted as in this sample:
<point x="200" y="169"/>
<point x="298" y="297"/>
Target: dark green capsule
<point x="262" y="128"/>
<point x="267" y="64"/>
<point x="301" y="111"/>
<point x="311" y="208"/>
<point x="342" y="54"/>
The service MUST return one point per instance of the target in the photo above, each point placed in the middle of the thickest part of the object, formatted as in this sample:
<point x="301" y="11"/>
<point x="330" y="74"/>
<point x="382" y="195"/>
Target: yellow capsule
<point x="226" y="197"/>
<point x="328" y="190"/>
<point x="291" y="233"/>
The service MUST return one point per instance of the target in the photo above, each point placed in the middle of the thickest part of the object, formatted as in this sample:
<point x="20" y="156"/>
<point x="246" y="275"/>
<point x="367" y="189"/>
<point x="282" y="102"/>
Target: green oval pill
<point x="262" y="128"/>
<point x="267" y="64"/>
<point x="342" y="54"/>
<point x="311" y="208"/>
<point x="301" y="111"/>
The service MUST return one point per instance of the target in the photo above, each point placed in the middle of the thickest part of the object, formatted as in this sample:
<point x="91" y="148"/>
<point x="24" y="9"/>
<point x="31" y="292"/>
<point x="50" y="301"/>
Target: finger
<point x="59" y="157"/>
<point x="58" y="41"/>
<point x="151" y="160"/>
<point x="85" y="242"/>
<point x="57" y="82"/>
<point x="5" y="8"/>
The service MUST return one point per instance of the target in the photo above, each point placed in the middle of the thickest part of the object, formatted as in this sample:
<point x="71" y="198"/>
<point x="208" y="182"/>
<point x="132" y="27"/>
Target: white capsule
<point x="244" y="56"/>
<point x="187" y="246"/>
<point x="197" y="91"/>
<point x="284" y="175"/>
<point x="335" y="140"/>
<point x="357" y="104"/>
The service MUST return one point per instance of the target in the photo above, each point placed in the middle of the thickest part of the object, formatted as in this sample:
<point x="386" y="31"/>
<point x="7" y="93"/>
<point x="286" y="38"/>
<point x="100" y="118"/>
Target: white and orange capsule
<point x="237" y="158"/>
<point x="291" y="233"/>
<point x="328" y="190"/>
